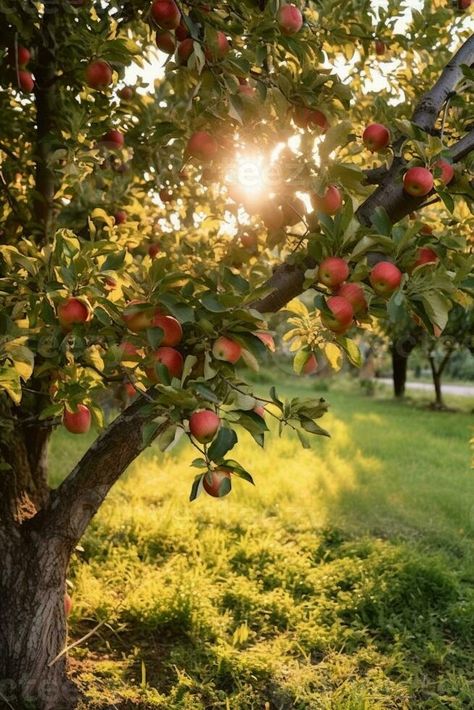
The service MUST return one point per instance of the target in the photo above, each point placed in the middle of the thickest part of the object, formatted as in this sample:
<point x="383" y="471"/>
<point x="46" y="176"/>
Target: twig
<point x="76" y="643"/>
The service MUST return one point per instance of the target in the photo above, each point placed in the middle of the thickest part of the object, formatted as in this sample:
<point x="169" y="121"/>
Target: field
<point x="342" y="581"/>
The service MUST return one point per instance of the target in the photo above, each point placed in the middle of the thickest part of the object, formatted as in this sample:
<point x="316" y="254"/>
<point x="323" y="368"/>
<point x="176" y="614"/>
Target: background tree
<point x="457" y="335"/>
<point x="135" y="252"/>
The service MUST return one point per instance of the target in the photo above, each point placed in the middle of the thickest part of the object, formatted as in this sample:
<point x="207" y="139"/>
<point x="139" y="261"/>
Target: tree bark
<point x="33" y="622"/>
<point x="399" y="372"/>
<point x="436" y="375"/>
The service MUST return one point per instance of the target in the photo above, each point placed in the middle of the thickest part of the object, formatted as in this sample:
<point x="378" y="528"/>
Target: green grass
<point x="342" y="581"/>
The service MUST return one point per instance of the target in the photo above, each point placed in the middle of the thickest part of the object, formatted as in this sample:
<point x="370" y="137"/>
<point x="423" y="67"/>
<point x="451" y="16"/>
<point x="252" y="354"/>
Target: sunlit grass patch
<point x="343" y="580"/>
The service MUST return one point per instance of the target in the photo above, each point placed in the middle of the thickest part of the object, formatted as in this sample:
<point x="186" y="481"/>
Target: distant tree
<point x="140" y="247"/>
<point x="457" y="335"/>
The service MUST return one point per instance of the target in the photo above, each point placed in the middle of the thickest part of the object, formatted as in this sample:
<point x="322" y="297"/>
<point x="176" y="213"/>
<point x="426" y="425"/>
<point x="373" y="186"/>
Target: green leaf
<point x="333" y="356"/>
<point x="313" y="428"/>
<point x="114" y="261"/>
<point x="196" y="488"/>
<point x="437" y="307"/>
<point x="303" y="439"/>
<point x="300" y="360"/>
<point x="10" y="382"/>
<point x="224" y="442"/>
<point x="149" y="432"/>
<point x="381" y="221"/>
<point x="275" y="398"/>
<point x="205" y="393"/>
<point x="210" y="303"/>
<point x="199" y="463"/>
<point x="238" y="470"/>
<point x="155" y="336"/>
<point x="352" y="351"/>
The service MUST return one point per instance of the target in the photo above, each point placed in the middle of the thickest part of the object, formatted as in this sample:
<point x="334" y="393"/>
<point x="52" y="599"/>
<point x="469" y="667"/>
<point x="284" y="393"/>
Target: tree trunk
<point x="33" y="622"/>
<point x="399" y="372"/>
<point x="436" y="375"/>
<point x="401" y="348"/>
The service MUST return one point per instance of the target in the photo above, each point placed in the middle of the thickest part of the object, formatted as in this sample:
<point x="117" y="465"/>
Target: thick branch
<point x="431" y="103"/>
<point x="287" y="283"/>
<point x="45" y="121"/>
<point x="79" y="497"/>
<point x="463" y="147"/>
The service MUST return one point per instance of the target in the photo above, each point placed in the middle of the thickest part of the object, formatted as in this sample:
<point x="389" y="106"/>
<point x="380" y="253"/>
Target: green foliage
<point x="181" y="247"/>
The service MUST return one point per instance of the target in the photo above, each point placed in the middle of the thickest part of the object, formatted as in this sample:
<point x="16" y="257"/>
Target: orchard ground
<point x="343" y="581"/>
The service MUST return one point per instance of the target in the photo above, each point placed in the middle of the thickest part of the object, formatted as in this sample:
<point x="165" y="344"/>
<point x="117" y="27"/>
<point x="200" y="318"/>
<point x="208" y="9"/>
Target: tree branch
<point x="463" y="147"/>
<point x="45" y="121"/>
<point x="80" y="495"/>
<point x="431" y="103"/>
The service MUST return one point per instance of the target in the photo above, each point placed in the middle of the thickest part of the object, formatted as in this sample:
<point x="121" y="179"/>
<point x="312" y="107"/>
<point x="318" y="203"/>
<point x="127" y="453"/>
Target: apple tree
<point x="171" y="174"/>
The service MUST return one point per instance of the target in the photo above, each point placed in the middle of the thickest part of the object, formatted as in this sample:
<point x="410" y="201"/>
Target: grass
<point x="342" y="581"/>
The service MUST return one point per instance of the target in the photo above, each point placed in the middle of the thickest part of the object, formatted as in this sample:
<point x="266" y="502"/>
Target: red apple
<point x="376" y="137"/>
<point x="212" y="482"/>
<point x="181" y="32"/>
<point x="172" y="331"/>
<point x="202" y="146"/>
<point x="247" y="90"/>
<point x="110" y="283"/>
<point x="311" y="365"/>
<point x="130" y="390"/>
<point x="341" y="316"/>
<point x="113" y="139"/>
<point x="267" y="339"/>
<point x="355" y="295"/>
<point x="128" y="349"/>
<point x="166" y="194"/>
<point x="290" y="19"/>
<point x="153" y="250"/>
<point x="333" y="271"/>
<point x="385" y="278"/>
<point x="260" y="410"/>
<point x="24" y="56"/>
<point x="204" y="425"/>
<point x="379" y="47"/>
<point x="26" y="81"/>
<point x="310" y="118"/>
<point x="249" y="240"/>
<point x="464" y="4"/>
<point x="418" y="182"/>
<point x="329" y="203"/>
<point x="426" y="255"/>
<point x="218" y="49"/>
<point x="72" y="311"/>
<point x="79" y="421"/>
<point x="120" y="217"/>
<point x="447" y="171"/>
<point x="271" y="215"/>
<point x="67" y="604"/>
<point x="98" y="74"/>
<point x="226" y="349"/>
<point x="170" y="358"/>
<point x="185" y="49"/>
<point x="166" y="14"/>
<point x="137" y="317"/>
<point x="166" y="42"/>
<point x="127" y="93"/>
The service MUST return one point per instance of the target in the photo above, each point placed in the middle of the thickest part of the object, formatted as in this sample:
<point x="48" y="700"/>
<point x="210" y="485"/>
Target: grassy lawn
<point x="343" y="581"/>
